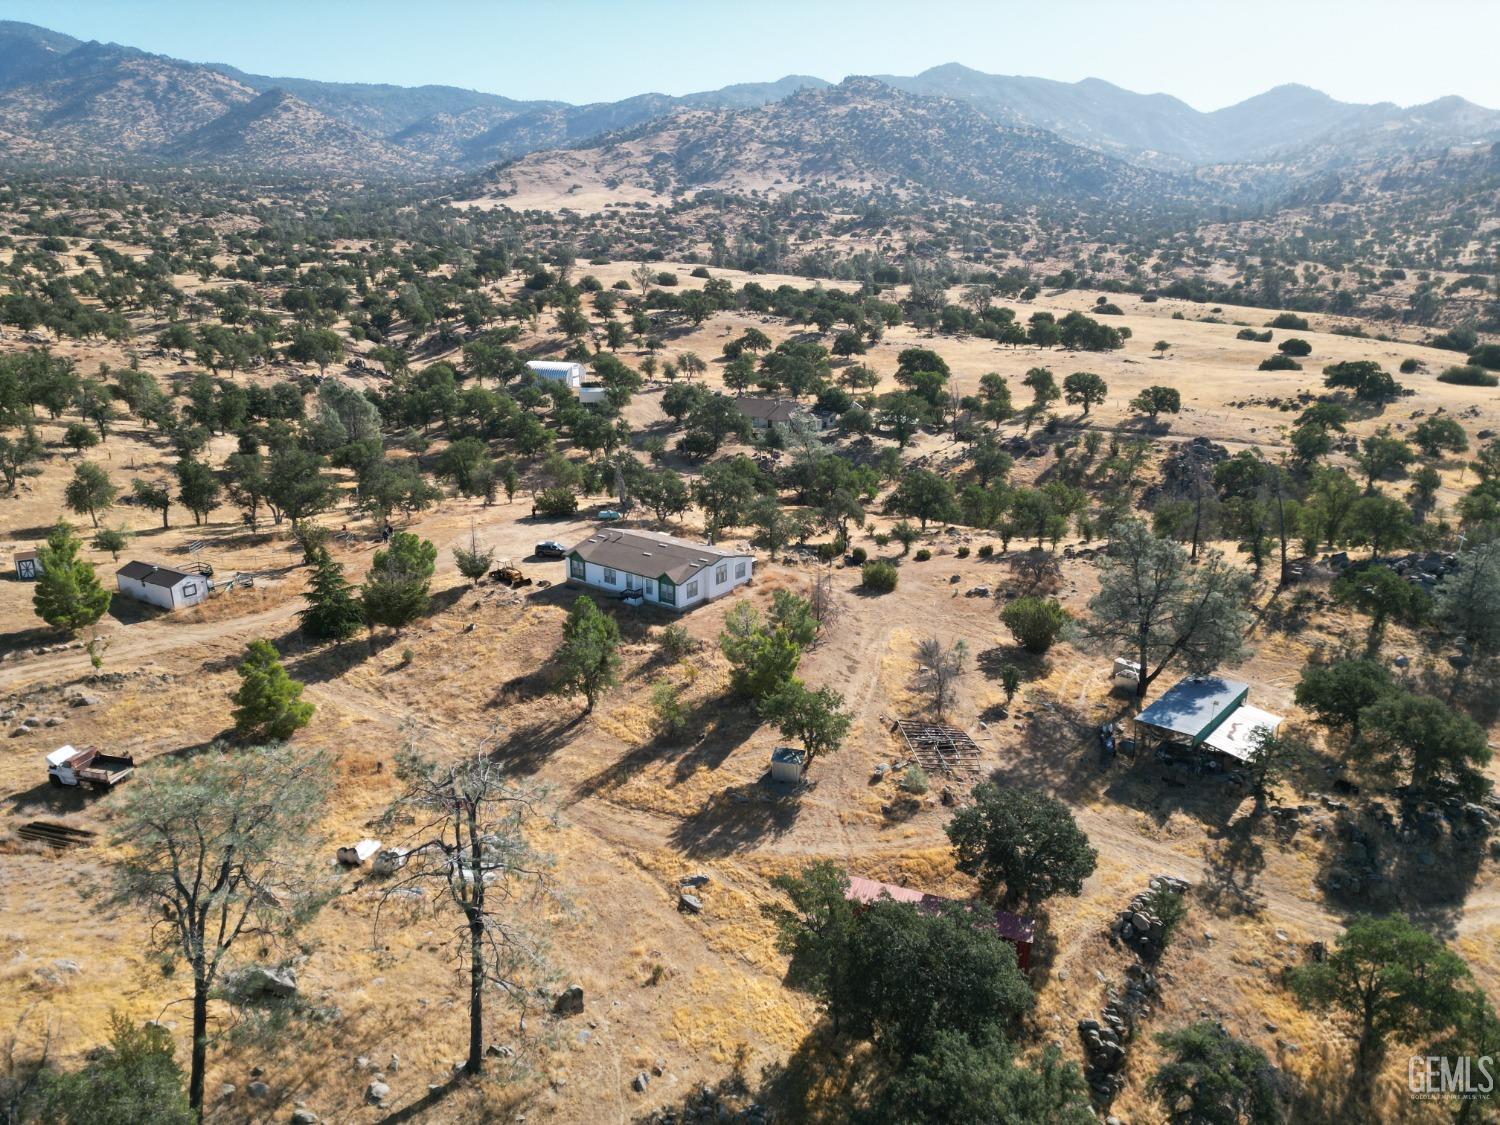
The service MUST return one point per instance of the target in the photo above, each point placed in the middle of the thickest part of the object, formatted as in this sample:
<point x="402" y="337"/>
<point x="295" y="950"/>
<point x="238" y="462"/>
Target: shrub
<point x="1252" y="334"/>
<point x="1410" y="366"/>
<point x="700" y="271"/>
<point x="1295" y="345"/>
<point x="986" y="550"/>
<point x="1289" y="320"/>
<point x="914" y="780"/>
<point x="557" y="501"/>
<point x="878" y="576"/>
<point x="621" y="284"/>
<point x="666" y="702"/>
<point x="1469" y="375"/>
<point x="922" y="555"/>
<point x="858" y="556"/>
<point x="666" y="277"/>
<point x="1035" y="623"/>
<point x="1486" y="355"/>
<point x="963" y="552"/>
<point x="674" y="642"/>
<point x="1279" y="363"/>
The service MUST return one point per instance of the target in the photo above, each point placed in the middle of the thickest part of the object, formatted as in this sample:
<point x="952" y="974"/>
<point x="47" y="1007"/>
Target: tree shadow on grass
<point x="1160" y="790"/>
<point x="318" y="662"/>
<point x="526" y="749"/>
<point x="1232" y="863"/>
<point x="22" y="640"/>
<point x="738" y="818"/>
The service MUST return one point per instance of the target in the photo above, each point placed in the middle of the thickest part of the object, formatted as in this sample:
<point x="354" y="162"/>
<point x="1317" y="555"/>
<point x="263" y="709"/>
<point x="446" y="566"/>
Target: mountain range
<point x="950" y="128"/>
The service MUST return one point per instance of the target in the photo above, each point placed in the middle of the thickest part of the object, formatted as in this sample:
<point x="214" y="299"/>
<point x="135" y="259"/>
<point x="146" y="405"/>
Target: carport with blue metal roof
<point x="1189" y="711"/>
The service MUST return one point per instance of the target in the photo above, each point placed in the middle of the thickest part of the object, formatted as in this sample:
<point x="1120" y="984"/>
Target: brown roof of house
<point x="153" y="575"/>
<point x="650" y="555"/>
<point x="768" y="409"/>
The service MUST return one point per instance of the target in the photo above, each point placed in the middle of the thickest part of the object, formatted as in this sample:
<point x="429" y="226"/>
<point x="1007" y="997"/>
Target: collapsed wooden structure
<point x="939" y="748"/>
<point x="56" y="835"/>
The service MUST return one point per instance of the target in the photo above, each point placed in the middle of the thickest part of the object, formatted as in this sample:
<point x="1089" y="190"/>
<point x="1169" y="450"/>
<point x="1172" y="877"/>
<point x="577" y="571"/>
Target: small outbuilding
<point x="1189" y="711"/>
<point x="787" y="764"/>
<point x="28" y="565"/>
<point x="161" y="585"/>
<point x="1209" y="715"/>
<point x="556" y="371"/>
<point x="1018" y="931"/>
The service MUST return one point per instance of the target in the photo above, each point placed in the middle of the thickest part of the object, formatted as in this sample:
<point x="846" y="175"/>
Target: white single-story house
<point x="657" y="568"/>
<point x="161" y="585"/>
<point x="568" y="374"/>
<point x="28" y="565"/>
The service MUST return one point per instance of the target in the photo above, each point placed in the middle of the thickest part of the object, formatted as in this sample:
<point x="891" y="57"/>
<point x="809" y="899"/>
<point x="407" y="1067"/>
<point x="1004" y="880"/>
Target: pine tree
<point x="473" y="561"/>
<point x="68" y="594"/>
<point x="333" y="612"/>
<point x="588" y="659"/>
<point x="268" y="704"/>
<point x="395" y="591"/>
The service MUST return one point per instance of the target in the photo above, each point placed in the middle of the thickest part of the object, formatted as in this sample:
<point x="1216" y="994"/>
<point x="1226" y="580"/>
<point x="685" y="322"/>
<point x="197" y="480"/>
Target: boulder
<point x="258" y="1089"/>
<point x="376" y="1093"/>
<point x="304" y="1117"/>
<point x="689" y="904"/>
<point x="268" y="980"/>
<point x="642" y="1080"/>
<point x="569" y="1002"/>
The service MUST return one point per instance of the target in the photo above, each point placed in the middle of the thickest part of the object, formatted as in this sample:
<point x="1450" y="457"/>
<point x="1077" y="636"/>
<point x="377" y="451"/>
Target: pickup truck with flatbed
<point x="88" y="767"/>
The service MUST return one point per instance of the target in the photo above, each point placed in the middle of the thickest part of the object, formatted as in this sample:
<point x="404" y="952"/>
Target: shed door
<point x="26" y="568"/>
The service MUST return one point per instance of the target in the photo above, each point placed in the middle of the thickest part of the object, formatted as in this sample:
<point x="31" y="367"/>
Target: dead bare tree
<point x="825" y="605"/>
<point x="470" y="839"/>
<point x="938" y="671"/>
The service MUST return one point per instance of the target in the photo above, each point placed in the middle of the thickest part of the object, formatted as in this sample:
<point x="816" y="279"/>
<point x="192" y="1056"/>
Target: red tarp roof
<point x="1012" y="927"/>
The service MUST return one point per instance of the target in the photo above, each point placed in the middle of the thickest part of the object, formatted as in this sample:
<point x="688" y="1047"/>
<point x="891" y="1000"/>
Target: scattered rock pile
<point x="1188" y="462"/>
<point x="1139" y="926"/>
<point x="1105" y="1040"/>
<point x="707" y="1104"/>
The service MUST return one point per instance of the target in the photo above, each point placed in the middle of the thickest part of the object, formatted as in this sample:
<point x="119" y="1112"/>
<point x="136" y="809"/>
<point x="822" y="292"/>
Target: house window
<point x="721" y="573"/>
<point x="739" y="570"/>
<point x="651" y="587"/>
<point x="576" y="567"/>
<point x="609" y="577"/>
<point x="668" y="592"/>
<point x="692" y="589"/>
<point x="190" y="589"/>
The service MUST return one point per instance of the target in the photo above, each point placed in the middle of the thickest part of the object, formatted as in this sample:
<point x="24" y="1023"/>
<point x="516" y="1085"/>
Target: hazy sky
<point x="1210" y="53"/>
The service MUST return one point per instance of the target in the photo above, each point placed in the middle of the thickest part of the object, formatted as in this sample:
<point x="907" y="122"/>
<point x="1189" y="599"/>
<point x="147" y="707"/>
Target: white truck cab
<point x="60" y="765"/>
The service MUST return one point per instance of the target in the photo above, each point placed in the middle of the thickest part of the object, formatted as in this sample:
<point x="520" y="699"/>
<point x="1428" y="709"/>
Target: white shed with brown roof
<point x="657" y="568"/>
<point x="161" y="585"/>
